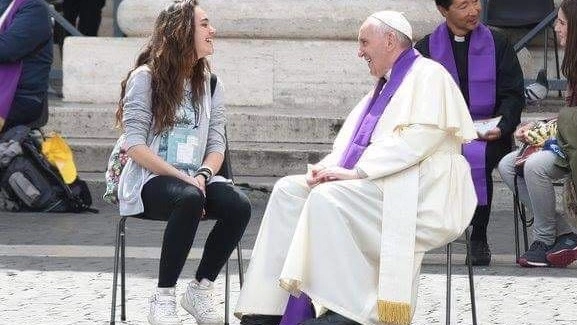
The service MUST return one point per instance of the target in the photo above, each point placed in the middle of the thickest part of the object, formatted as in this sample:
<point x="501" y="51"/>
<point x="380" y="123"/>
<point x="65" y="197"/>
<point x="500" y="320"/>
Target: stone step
<point x="248" y="158"/>
<point x="245" y="124"/>
<point x="279" y="73"/>
<point x="550" y="105"/>
<point x="284" y="74"/>
<point x="82" y="120"/>
<point x="296" y="19"/>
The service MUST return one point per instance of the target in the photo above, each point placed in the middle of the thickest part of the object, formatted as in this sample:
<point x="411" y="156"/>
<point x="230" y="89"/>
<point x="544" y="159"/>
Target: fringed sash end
<point x="397" y="313"/>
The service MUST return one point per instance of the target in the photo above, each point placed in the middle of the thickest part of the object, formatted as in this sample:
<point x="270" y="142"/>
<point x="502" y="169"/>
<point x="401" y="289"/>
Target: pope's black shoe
<point x="481" y="254"/>
<point x="260" y="320"/>
<point x="330" y="318"/>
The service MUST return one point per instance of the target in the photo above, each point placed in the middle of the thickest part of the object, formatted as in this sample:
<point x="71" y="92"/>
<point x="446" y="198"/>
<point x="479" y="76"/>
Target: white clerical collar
<point x="459" y="39"/>
<point x="388" y="74"/>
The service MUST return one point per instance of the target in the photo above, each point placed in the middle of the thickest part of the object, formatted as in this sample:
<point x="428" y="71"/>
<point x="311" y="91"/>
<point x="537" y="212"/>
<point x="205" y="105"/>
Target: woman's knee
<point x="538" y="165"/>
<point x="507" y="165"/>
<point x="190" y="199"/>
<point x="228" y="200"/>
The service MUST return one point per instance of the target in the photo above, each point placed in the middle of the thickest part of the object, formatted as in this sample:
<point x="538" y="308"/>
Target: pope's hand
<point x="492" y="135"/>
<point x="336" y="173"/>
<point x="311" y="176"/>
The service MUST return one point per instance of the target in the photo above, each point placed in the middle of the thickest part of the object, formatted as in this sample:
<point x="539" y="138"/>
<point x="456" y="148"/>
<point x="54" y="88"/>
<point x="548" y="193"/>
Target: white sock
<point x="166" y="291"/>
<point x="205" y="283"/>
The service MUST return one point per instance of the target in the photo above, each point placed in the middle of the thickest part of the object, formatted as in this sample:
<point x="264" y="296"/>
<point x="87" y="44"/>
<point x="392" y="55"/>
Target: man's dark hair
<point x="444" y="3"/>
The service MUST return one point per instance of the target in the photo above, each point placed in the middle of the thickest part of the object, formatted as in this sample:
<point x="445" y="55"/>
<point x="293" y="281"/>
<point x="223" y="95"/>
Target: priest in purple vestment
<point x="484" y="64"/>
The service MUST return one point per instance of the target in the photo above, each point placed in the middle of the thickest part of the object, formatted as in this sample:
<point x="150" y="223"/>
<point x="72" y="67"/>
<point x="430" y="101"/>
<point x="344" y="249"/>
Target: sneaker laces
<point x="538" y="245"/>
<point x="204" y="302"/>
<point x="164" y="305"/>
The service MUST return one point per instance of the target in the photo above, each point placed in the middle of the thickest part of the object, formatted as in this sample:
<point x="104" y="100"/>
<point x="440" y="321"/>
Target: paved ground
<point x="57" y="269"/>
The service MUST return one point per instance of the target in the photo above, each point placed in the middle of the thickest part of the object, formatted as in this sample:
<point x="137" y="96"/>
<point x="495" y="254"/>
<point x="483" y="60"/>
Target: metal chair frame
<point x="467" y="242"/>
<point x="120" y="258"/>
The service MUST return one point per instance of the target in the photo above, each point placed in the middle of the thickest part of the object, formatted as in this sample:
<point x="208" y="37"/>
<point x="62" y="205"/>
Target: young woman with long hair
<point x="555" y="242"/>
<point x="175" y="138"/>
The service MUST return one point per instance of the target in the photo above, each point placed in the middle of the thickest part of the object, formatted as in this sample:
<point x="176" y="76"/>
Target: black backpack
<point x="29" y="182"/>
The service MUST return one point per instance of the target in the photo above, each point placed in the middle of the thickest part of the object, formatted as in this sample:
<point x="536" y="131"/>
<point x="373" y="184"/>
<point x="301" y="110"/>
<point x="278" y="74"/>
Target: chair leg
<point x="557" y="59"/>
<point x="115" y="273"/>
<point x="471" y="282"/>
<point x="546" y="51"/>
<point x="123" y="269"/>
<point x="516" y="212"/>
<point x="448" y="302"/>
<point x="226" y="293"/>
<point x="240" y="264"/>
<point x="523" y="215"/>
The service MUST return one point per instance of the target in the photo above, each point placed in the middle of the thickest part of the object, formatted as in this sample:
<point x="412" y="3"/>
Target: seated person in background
<point x="535" y="179"/>
<point x="175" y="137"/>
<point x="353" y="231"/>
<point x="85" y="15"/>
<point x="25" y="60"/>
<point x="555" y="243"/>
<point x="483" y="63"/>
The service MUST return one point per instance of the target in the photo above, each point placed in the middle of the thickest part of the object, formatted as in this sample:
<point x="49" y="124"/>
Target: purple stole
<point x="482" y="78"/>
<point x="301" y="309"/>
<point x="372" y="113"/>
<point x="9" y="72"/>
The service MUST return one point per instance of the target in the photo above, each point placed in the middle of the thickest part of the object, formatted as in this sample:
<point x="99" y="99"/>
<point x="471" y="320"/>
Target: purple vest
<point x="9" y="72"/>
<point x="482" y="78"/>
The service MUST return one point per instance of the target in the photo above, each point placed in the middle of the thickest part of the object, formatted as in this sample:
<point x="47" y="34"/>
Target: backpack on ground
<point x="28" y="182"/>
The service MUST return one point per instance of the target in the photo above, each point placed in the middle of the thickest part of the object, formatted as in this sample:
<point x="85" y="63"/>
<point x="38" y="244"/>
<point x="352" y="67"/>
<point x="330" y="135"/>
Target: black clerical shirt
<point x="509" y="102"/>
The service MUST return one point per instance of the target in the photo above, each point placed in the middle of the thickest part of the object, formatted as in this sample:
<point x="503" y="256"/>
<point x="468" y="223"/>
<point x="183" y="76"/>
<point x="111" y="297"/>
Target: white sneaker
<point x="198" y="300"/>
<point x="163" y="309"/>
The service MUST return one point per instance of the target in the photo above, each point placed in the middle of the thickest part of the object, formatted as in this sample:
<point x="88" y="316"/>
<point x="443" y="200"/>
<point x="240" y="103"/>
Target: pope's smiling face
<point x="374" y="47"/>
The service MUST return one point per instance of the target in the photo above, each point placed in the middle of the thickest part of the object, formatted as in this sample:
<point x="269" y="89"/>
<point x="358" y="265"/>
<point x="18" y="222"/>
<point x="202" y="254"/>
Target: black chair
<point x="120" y="258"/>
<point x="467" y="242"/>
<point x="536" y="15"/>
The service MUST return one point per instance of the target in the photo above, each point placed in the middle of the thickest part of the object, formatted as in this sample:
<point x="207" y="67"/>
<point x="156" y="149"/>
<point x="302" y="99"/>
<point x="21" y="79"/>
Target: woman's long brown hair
<point x="569" y="66"/>
<point x="171" y="56"/>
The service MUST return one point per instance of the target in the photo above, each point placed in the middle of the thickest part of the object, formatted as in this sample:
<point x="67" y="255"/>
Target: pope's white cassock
<point x="356" y="246"/>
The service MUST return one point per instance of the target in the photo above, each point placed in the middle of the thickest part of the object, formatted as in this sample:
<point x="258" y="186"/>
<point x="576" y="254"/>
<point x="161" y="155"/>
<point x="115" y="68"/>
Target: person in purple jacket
<point x="25" y="60"/>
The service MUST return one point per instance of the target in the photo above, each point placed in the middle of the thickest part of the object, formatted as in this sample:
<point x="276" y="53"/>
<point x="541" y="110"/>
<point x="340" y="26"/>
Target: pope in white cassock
<point x="351" y="233"/>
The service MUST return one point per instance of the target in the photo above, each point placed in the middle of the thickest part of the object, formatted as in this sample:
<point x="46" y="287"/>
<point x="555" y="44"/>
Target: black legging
<point x="181" y="204"/>
<point x="496" y="150"/>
